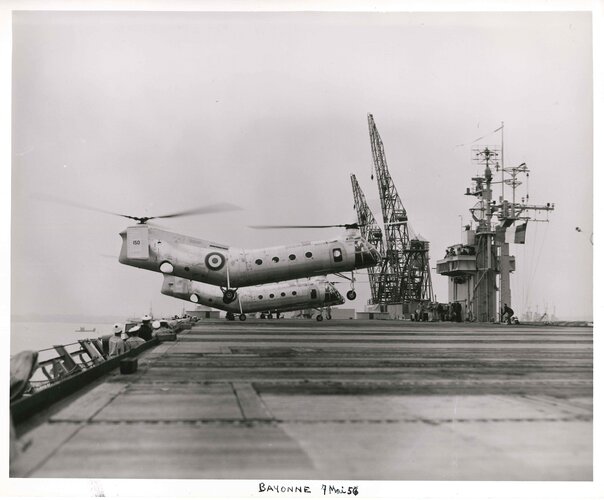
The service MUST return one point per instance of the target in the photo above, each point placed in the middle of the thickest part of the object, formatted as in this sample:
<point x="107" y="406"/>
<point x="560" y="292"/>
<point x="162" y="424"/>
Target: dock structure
<point x="352" y="400"/>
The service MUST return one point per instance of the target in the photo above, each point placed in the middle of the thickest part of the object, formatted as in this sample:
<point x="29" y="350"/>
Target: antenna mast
<point x="479" y="269"/>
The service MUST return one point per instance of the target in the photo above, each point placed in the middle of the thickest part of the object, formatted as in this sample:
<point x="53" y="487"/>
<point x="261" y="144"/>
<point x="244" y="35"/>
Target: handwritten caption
<point x="326" y="489"/>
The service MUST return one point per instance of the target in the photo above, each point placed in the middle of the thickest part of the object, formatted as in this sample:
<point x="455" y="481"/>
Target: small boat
<point x="84" y="330"/>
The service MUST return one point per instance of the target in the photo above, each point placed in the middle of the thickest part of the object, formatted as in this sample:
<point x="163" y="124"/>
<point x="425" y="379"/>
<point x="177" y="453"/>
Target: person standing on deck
<point x="116" y="344"/>
<point x="134" y="340"/>
<point x="146" y="330"/>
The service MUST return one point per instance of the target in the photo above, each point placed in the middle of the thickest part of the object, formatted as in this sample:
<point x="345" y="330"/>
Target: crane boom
<point x="373" y="233"/>
<point x="406" y="270"/>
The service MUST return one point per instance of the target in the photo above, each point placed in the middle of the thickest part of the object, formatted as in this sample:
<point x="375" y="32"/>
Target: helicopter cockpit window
<point x="337" y="254"/>
<point x="313" y="294"/>
<point x="331" y="293"/>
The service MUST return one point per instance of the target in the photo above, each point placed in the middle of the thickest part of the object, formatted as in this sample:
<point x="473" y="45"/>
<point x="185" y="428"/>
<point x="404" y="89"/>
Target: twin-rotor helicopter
<point x="268" y="299"/>
<point x="155" y="249"/>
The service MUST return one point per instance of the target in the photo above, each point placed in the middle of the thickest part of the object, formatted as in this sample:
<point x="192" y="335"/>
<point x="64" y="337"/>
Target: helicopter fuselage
<point x="271" y="297"/>
<point x="158" y="250"/>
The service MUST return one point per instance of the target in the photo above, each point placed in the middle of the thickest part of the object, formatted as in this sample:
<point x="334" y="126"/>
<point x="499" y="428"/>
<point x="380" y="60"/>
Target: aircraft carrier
<point x="341" y="399"/>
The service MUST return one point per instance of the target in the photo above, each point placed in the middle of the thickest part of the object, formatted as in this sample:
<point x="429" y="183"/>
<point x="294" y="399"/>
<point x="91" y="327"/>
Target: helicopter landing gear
<point x="319" y="317"/>
<point x="242" y="317"/>
<point x="262" y="316"/>
<point x="230" y="316"/>
<point x="351" y="294"/>
<point x="229" y="295"/>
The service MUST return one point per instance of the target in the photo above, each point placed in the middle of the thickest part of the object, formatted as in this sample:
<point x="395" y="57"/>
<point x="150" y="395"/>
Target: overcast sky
<point x="147" y="113"/>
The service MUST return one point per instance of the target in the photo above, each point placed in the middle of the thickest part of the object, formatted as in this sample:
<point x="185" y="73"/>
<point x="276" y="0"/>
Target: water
<point x="36" y="336"/>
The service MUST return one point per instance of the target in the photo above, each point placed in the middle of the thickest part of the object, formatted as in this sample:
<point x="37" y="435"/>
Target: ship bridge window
<point x="260" y="297"/>
<point x="294" y="293"/>
<point x="308" y="254"/>
<point x="275" y="259"/>
<point x="282" y="294"/>
<point x="292" y="257"/>
<point x="337" y="254"/>
<point x="258" y="262"/>
<point x="272" y="295"/>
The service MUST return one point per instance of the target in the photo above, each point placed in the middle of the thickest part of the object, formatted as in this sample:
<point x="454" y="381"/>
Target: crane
<point x="373" y="233"/>
<point x="406" y="270"/>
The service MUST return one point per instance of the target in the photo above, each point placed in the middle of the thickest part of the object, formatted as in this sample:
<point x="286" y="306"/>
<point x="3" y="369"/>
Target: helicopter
<point x="155" y="249"/>
<point x="267" y="299"/>
<point x="149" y="247"/>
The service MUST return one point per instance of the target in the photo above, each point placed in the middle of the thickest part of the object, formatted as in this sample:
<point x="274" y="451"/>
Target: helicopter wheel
<point x="351" y="294"/>
<point x="229" y="295"/>
<point x="262" y="316"/>
<point x="242" y="317"/>
<point x="319" y="317"/>
<point x="270" y="316"/>
<point x="230" y="316"/>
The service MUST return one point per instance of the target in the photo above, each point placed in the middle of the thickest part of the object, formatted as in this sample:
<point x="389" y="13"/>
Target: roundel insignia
<point x="215" y="261"/>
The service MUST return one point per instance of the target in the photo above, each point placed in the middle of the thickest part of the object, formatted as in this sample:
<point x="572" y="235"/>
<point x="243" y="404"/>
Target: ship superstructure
<point x="479" y="268"/>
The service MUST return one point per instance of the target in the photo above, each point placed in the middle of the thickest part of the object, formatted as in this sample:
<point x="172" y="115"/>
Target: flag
<point x="520" y="235"/>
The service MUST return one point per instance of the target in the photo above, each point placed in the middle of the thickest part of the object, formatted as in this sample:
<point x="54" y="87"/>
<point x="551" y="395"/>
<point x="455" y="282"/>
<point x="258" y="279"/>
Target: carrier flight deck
<point x="352" y="400"/>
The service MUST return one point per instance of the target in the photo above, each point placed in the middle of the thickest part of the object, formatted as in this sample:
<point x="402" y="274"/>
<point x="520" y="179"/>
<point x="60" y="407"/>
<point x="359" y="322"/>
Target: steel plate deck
<point x="354" y="400"/>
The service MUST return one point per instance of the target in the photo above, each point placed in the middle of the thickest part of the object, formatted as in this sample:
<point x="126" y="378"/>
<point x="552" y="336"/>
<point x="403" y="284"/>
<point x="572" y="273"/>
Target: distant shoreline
<point x="63" y="318"/>
<point x="79" y="318"/>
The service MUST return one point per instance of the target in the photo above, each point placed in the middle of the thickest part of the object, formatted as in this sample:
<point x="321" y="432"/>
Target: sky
<point x="145" y="113"/>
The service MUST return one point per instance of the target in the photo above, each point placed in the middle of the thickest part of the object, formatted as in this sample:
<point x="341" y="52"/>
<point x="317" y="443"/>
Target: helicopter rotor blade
<point x="205" y="209"/>
<point x="60" y="201"/>
<point x="347" y="282"/>
<point x="303" y="226"/>
<point x="214" y="208"/>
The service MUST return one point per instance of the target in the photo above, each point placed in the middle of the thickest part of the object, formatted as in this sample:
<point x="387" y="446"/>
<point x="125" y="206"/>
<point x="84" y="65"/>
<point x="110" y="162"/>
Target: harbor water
<point x="42" y="335"/>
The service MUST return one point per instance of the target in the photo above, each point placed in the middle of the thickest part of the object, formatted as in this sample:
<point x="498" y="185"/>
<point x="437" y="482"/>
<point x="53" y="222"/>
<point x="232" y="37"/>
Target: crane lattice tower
<point x="406" y="270"/>
<point x="372" y="232"/>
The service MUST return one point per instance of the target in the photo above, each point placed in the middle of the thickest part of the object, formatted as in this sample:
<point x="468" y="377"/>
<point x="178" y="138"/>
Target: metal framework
<point x="492" y="218"/>
<point x="406" y="270"/>
<point x="372" y="232"/>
